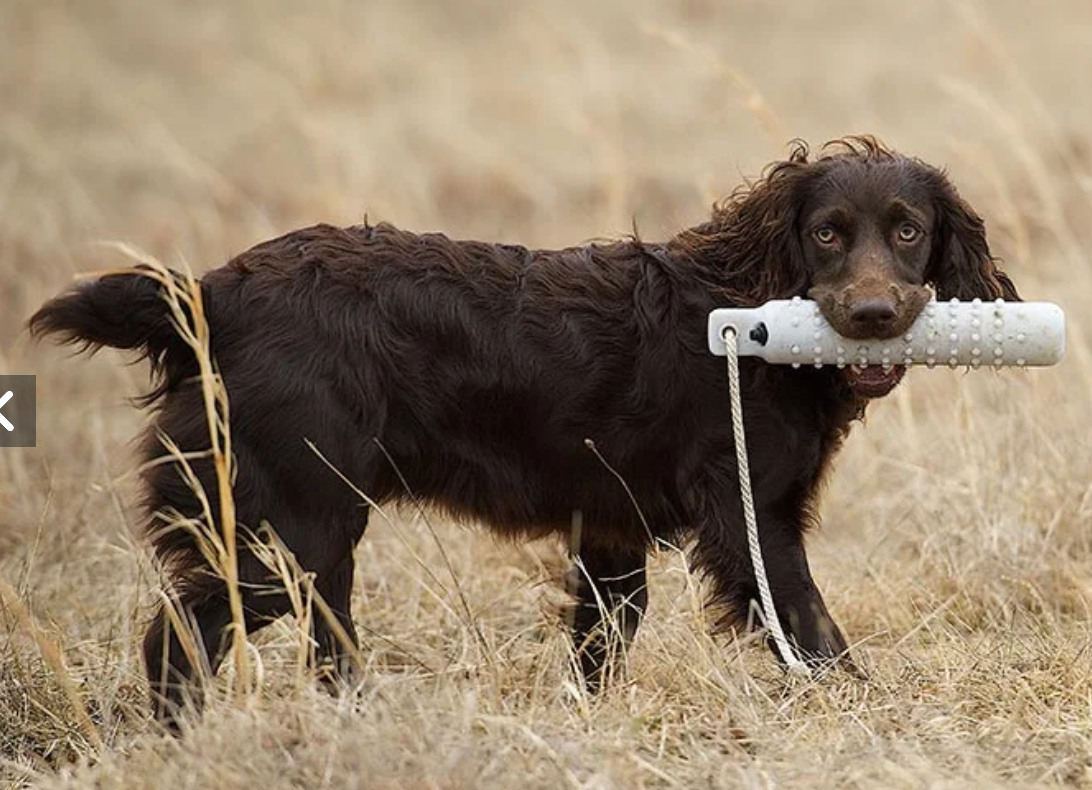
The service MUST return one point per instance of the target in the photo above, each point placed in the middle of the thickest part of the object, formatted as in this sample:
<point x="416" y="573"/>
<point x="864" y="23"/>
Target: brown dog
<point x="471" y="374"/>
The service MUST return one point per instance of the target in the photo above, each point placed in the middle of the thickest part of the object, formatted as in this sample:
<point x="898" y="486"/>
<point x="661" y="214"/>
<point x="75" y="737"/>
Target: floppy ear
<point x="961" y="266"/>
<point x="750" y="249"/>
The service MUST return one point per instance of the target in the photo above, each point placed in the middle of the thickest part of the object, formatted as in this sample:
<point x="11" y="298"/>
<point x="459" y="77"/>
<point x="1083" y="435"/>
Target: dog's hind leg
<point x="611" y="597"/>
<point x="170" y="661"/>
<point x="178" y="666"/>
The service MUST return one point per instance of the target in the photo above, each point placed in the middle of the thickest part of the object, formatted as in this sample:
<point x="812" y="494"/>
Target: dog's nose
<point x="873" y="315"/>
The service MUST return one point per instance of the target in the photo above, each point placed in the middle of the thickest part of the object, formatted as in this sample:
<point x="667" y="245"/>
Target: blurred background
<point x="958" y="515"/>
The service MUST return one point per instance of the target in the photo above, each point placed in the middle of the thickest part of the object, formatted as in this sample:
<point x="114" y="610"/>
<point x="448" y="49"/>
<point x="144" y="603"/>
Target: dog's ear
<point x="960" y="265"/>
<point x="750" y="247"/>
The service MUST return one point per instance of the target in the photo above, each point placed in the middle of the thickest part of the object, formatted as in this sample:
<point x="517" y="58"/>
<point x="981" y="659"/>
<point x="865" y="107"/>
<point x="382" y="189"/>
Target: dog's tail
<point x="126" y="310"/>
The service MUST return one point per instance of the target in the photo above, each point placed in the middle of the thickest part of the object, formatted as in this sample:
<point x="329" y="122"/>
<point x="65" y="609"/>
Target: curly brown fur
<point x="478" y="370"/>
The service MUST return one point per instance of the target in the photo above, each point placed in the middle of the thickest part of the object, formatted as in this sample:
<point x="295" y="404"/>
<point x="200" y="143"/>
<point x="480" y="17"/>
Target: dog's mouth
<point x="873" y="381"/>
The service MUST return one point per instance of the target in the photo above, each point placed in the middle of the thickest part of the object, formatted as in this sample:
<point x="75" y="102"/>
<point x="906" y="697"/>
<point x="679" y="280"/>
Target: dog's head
<point x="867" y="233"/>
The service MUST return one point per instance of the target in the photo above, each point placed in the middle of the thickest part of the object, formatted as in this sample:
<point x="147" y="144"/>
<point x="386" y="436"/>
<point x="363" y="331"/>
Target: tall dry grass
<point x="955" y="550"/>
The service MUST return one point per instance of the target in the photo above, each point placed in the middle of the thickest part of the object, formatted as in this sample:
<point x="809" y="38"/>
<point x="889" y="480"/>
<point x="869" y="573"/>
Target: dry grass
<point x="956" y="549"/>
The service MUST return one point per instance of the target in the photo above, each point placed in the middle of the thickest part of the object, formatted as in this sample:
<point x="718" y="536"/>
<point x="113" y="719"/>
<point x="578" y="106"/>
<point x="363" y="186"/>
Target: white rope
<point x="769" y="614"/>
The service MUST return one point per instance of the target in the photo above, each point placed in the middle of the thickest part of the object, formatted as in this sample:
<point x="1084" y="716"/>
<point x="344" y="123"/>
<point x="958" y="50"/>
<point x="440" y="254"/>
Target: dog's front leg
<point x="722" y="554"/>
<point x="611" y="596"/>
<point x="800" y="607"/>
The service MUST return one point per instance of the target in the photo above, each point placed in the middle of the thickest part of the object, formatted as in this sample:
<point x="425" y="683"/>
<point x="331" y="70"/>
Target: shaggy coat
<point x="469" y="376"/>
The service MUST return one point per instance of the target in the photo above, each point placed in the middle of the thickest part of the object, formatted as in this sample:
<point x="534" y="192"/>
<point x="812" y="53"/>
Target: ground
<point x="955" y="549"/>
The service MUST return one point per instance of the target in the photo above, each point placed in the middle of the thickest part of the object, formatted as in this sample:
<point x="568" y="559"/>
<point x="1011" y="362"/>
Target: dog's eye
<point x="825" y="234"/>
<point x="908" y="232"/>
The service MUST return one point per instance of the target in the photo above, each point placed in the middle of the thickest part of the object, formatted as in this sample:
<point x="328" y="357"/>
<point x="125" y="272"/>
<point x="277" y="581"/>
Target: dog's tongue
<point x="874" y="381"/>
<point x="875" y="374"/>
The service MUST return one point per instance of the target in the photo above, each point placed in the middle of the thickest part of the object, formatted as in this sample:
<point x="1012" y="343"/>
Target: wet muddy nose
<point x="873" y="315"/>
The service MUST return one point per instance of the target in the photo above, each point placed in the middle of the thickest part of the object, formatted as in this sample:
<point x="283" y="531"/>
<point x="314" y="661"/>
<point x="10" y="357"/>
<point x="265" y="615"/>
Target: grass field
<point x="956" y="550"/>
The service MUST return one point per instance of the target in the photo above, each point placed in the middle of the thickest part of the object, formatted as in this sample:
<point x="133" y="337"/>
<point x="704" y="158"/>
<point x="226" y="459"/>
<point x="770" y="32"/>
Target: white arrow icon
<point x="4" y="399"/>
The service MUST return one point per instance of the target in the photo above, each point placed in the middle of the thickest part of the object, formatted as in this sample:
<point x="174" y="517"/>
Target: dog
<point x="473" y="377"/>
